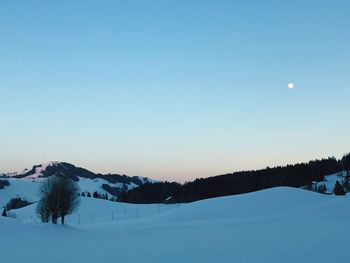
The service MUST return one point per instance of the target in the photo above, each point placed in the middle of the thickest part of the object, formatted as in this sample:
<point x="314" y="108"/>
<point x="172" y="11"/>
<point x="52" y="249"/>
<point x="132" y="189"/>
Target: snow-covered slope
<point x="24" y="188"/>
<point x="275" y="225"/>
<point x="93" y="212"/>
<point x="36" y="172"/>
<point x="53" y="168"/>
<point x="330" y="181"/>
<point x="29" y="188"/>
<point x="25" y="184"/>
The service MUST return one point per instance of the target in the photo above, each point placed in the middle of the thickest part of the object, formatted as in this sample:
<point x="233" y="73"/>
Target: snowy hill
<point x="36" y="172"/>
<point x="52" y="168"/>
<point x="25" y="184"/>
<point x="275" y="225"/>
<point x="29" y="188"/>
<point x="330" y="180"/>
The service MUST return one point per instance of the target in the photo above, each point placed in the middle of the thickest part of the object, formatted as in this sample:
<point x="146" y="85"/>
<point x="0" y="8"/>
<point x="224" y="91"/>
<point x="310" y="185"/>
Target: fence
<point x="92" y="215"/>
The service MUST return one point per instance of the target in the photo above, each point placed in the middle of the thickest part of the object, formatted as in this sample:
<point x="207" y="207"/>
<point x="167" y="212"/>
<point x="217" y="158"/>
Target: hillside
<point x="296" y="175"/>
<point x="74" y="172"/>
<point x="275" y="225"/>
<point x="25" y="183"/>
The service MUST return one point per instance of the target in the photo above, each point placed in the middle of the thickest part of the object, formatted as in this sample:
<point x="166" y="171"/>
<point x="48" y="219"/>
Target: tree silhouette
<point x="59" y="197"/>
<point x="338" y="189"/>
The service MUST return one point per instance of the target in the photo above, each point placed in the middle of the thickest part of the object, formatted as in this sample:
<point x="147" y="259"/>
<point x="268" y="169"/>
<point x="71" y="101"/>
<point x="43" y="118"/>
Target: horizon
<point x="173" y="90"/>
<point x="200" y="177"/>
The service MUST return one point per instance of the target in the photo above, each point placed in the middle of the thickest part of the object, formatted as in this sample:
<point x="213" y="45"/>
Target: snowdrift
<point x="274" y="225"/>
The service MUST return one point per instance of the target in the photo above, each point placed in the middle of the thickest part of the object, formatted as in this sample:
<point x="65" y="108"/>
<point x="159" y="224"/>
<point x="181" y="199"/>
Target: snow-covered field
<point x="29" y="188"/>
<point x="275" y="225"/>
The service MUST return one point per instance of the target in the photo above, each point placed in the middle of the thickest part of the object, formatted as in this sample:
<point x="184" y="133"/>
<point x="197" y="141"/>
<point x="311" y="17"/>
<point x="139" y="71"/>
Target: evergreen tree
<point x="4" y="213"/>
<point x="322" y="189"/>
<point x="338" y="189"/>
<point x="346" y="183"/>
<point x="346" y="162"/>
<point x="16" y="203"/>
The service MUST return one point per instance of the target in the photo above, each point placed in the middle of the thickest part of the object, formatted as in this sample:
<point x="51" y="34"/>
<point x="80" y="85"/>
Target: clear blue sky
<point x="173" y="89"/>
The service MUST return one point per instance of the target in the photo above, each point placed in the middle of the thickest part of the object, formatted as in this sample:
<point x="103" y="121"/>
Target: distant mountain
<point x="54" y="168"/>
<point x="111" y="184"/>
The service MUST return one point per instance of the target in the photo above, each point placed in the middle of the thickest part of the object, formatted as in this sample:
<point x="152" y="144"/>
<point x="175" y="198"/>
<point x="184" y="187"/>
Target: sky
<point x="173" y="90"/>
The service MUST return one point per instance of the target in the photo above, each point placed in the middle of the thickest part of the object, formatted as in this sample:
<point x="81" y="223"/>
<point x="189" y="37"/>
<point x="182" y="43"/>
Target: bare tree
<point x="59" y="197"/>
<point x="69" y="197"/>
<point x="49" y="201"/>
<point x="43" y="210"/>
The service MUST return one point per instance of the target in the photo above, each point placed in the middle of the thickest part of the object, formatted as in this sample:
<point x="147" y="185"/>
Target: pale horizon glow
<point x="173" y="90"/>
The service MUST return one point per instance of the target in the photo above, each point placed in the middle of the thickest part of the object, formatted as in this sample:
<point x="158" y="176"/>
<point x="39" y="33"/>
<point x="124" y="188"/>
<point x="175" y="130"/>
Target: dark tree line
<point x="345" y="161"/>
<point x="296" y="175"/>
<point x="86" y="193"/>
<point x="96" y="194"/>
<point x="99" y="195"/>
<point x="115" y="191"/>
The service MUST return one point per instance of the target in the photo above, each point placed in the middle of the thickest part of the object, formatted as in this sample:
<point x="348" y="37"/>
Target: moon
<point x="290" y="85"/>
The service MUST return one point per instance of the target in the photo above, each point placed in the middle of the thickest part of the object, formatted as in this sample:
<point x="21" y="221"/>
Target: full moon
<point x="290" y="85"/>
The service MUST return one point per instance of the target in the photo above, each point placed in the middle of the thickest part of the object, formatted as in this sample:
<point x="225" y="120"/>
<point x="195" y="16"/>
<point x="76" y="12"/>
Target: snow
<point x="330" y="181"/>
<point x="94" y="211"/>
<point x="92" y="185"/>
<point x="28" y="187"/>
<point x="145" y="180"/>
<point x="86" y="184"/>
<point x="274" y="225"/>
<point x="39" y="169"/>
<point x="24" y="188"/>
